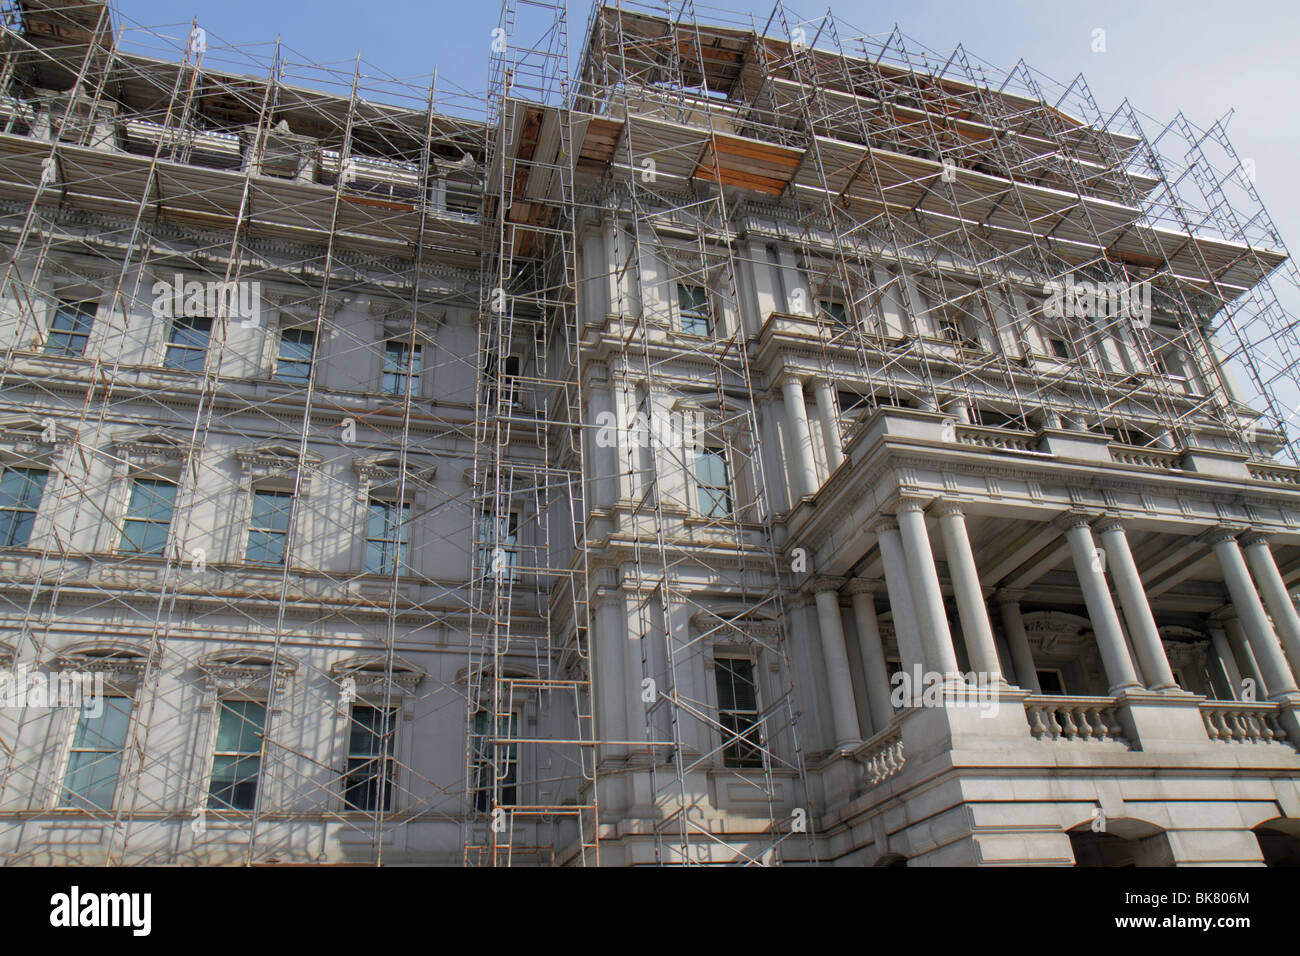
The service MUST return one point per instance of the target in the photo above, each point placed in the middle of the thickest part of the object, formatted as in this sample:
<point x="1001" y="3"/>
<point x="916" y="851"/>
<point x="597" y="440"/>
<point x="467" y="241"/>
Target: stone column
<point x="803" y="469"/>
<point x="844" y="712"/>
<point x="1101" y="611"/>
<point x="1250" y="611"/>
<point x="604" y="441"/>
<point x="1151" y="657"/>
<point x="1272" y="588"/>
<point x="1022" y="657"/>
<point x="872" y="650"/>
<point x="1244" y="656"/>
<point x="1223" y="650"/>
<point x="609" y="678"/>
<point x="907" y="629"/>
<point x="828" y="412"/>
<point x="980" y="646"/>
<point x="932" y="618"/>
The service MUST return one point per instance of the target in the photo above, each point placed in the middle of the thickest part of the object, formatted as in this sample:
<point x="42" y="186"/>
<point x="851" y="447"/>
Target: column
<point x="901" y="606"/>
<point x="1231" y="673"/>
<point x="1250" y="611"/>
<point x="609" y="679"/>
<point x="803" y="470"/>
<point x="1243" y="655"/>
<point x="603" y="475"/>
<point x="980" y="646"/>
<point x="931" y="616"/>
<point x="844" y="712"/>
<point x="1022" y="657"/>
<point x="828" y="412"/>
<point x="872" y="650"/>
<point x="1096" y="595"/>
<point x="1276" y="598"/>
<point x="1151" y="657"/>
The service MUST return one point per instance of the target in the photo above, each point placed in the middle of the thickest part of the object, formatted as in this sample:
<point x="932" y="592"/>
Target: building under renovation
<point x="724" y="440"/>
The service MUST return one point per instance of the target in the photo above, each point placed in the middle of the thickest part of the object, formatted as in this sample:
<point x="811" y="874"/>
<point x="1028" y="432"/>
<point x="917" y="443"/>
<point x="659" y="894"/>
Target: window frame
<point x="483" y="764"/>
<point x="186" y="351"/>
<point x="739" y="752"/>
<point x="78" y="310"/>
<point x="129" y="519"/>
<point x="702" y="488"/>
<point x="65" y="797"/>
<point x="266" y="533"/>
<point x="281" y="363"/>
<point x="8" y="525"/>
<point x="698" y="310"/>
<point x="412" y="368"/>
<point x="389" y="540"/>
<point x="368" y="776"/>
<point x="224" y="707"/>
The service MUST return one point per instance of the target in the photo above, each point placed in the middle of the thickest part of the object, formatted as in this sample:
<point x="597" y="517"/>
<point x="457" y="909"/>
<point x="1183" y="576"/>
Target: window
<point x="401" y="363"/>
<point x="1051" y="681"/>
<point x="187" y="344"/>
<point x="713" y="489"/>
<point x="833" y="312"/>
<point x="268" y="528"/>
<point x="693" y="303"/>
<point x="148" y="515"/>
<point x="70" y="328"/>
<point x="366" y="746"/>
<point x="1060" y="349"/>
<point x="237" y="758"/>
<point x="387" y="532"/>
<point x="505" y="538"/>
<point x="96" y="756"/>
<point x="486" y="754"/>
<point x="20" y="494"/>
<point x="296" y="346"/>
<point x="738" y="712"/>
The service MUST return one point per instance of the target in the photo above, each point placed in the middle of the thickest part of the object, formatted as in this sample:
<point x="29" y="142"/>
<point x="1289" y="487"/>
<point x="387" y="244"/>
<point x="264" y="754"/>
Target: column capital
<point x="1254" y="536"/>
<point x="1222" y="532"/>
<point x="1109" y="522"/>
<point x="789" y="377"/>
<point x="911" y="501"/>
<point x="1074" y="518"/>
<point x="864" y="586"/>
<point x="943" y="507"/>
<point x="885" y="522"/>
<point x="1009" y="595"/>
<point x="824" y="583"/>
<point x="1223" y="615"/>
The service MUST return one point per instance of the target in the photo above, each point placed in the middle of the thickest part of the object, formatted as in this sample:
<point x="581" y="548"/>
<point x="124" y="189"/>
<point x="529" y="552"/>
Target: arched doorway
<point x="1123" y="843"/>
<point x="1279" y="841"/>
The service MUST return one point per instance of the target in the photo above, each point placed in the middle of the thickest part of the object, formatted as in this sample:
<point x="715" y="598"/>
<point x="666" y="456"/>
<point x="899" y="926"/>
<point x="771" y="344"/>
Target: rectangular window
<point x="294" y="363"/>
<point x="148" y="515"/>
<point x="388" y="531"/>
<point x="366" y="746"/>
<point x="187" y="343"/>
<point x="96" y="757"/>
<point x="70" y="328"/>
<point x="20" y="496"/>
<point x="486" y="755"/>
<point x="738" y="712"/>
<point x="1060" y="349"/>
<point x="401" y="363"/>
<point x="268" y="528"/>
<point x="499" y="553"/>
<point x="693" y="303"/>
<point x="237" y="758"/>
<point x="833" y="312"/>
<point x="713" y="489"/>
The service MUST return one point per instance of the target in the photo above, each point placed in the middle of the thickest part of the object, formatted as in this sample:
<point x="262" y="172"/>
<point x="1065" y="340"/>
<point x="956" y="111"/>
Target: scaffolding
<point x="932" y="202"/>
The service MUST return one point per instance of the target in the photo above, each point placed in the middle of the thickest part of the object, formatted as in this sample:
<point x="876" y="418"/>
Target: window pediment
<point x="121" y="660"/>
<point x="368" y="675"/>
<point x="148" y="450"/>
<point x="276" y="462"/>
<point x="246" y="672"/>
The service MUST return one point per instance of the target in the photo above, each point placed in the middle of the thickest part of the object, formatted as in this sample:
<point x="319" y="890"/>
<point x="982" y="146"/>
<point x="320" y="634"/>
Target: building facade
<point x="756" y="446"/>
